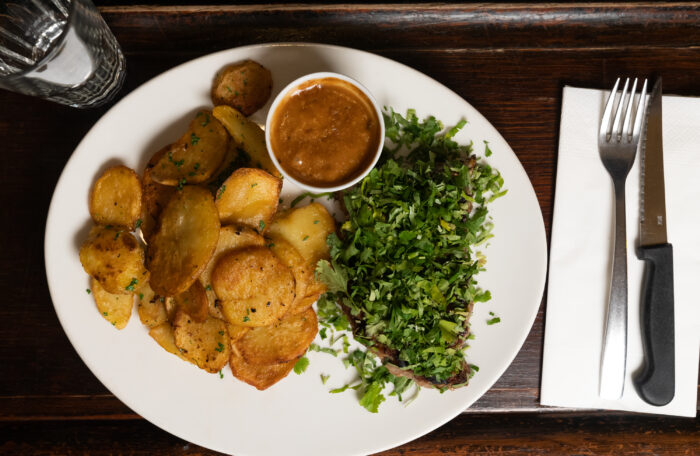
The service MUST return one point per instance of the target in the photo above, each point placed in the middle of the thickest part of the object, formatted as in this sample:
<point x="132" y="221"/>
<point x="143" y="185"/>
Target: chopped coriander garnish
<point x="270" y="245"/>
<point x="208" y="287"/>
<point x="305" y="238"/>
<point x="116" y="236"/>
<point x="138" y="223"/>
<point x="261" y="225"/>
<point x="487" y="150"/>
<point x="141" y="296"/>
<point x="245" y="319"/>
<point x="132" y="284"/>
<point x="229" y="89"/>
<point x="317" y="348"/>
<point x="324" y="378"/>
<point x="221" y="374"/>
<point x="301" y="365"/>
<point x="253" y="184"/>
<point x="493" y="321"/>
<point x="88" y="291"/>
<point x="194" y="139"/>
<point x="220" y="347"/>
<point x="221" y="333"/>
<point x="405" y="263"/>
<point x="206" y="121"/>
<point x="181" y="183"/>
<point x="177" y="163"/>
<point x="299" y="198"/>
<point x="105" y="313"/>
<point x="220" y="192"/>
<point x="315" y="222"/>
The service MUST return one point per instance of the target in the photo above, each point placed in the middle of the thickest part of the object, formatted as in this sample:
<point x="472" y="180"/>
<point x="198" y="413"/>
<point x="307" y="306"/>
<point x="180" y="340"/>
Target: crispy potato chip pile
<point x="220" y="277"/>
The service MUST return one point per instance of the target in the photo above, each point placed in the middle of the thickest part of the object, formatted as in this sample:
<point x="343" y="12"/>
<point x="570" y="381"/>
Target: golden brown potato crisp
<point x="253" y="286"/>
<point x="116" y="198"/>
<point x="187" y="235"/>
<point x="194" y="302"/>
<point x="261" y="376"/>
<point x="245" y="86"/>
<point x="196" y="155"/>
<point x="279" y="343"/>
<point x="303" y="274"/>
<point x="155" y="197"/>
<point x="115" y="308"/>
<point x="306" y="228"/>
<point x="164" y="335"/>
<point x="151" y="307"/>
<point x="248" y="136"/>
<point x="249" y="197"/>
<point x="205" y="344"/>
<point x="115" y="259"/>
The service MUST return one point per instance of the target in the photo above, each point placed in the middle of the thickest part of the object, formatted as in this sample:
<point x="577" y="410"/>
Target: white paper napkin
<point x="580" y="257"/>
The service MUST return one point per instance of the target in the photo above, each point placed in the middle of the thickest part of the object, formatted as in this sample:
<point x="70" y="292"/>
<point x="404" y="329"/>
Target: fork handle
<point x="614" y="358"/>
<point x="656" y="382"/>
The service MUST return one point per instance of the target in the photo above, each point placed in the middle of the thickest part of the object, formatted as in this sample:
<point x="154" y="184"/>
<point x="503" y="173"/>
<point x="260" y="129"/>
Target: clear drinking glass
<point x="60" y="50"/>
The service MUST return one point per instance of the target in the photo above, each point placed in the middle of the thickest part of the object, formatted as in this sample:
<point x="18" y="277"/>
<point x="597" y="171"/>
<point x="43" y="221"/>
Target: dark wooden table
<point x="509" y="61"/>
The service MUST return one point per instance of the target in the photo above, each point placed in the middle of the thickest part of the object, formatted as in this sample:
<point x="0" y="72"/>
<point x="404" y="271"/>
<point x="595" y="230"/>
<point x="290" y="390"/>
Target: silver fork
<point x="617" y="144"/>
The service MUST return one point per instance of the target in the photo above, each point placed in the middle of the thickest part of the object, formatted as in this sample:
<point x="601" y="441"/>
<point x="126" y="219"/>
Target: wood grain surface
<point x="509" y="61"/>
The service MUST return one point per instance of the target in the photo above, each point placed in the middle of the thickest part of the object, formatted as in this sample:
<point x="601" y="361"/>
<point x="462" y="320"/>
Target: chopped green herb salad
<point x="404" y="265"/>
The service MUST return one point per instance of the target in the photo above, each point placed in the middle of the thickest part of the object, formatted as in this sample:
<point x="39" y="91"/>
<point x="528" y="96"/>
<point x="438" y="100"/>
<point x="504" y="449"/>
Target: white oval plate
<point x="298" y="415"/>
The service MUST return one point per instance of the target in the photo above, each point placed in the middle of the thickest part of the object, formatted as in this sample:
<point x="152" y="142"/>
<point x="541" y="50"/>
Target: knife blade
<point x="655" y="383"/>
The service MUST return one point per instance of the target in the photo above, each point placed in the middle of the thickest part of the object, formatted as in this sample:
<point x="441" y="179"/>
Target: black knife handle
<point x="656" y="382"/>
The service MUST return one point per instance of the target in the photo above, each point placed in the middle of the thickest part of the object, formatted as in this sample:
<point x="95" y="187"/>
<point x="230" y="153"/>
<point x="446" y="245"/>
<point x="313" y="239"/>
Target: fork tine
<point x="627" y="132"/>
<point x="617" y="125"/>
<point x="605" y="121"/>
<point x="641" y="107"/>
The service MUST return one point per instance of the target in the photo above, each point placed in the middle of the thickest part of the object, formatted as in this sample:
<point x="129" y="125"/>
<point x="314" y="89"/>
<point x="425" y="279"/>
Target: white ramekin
<point x="293" y="85"/>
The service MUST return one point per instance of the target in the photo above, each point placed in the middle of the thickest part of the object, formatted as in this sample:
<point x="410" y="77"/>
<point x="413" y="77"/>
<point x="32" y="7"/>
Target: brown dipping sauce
<point x="325" y="132"/>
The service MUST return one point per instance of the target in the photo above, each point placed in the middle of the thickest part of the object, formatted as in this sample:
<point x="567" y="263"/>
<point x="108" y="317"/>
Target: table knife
<point x="655" y="383"/>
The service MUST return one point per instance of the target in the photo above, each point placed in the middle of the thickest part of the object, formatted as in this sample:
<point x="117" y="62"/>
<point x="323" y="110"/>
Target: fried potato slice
<point x="115" y="259"/>
<point x="205" y="344"/>
<point x="196" y="155"/>
<point x="261" y="376"/>
<point x="245" y="86"/>
<point x="254" y="287"/>
<point x="301" y="305"/>
<point x="187" y="235"/>
<point x="170" y="308"/>
<point x="249" y="197"/>
<point x="155" y="197"/>
<point x="279" y="343"/>
<point x="316" y="288"/>
<point x="230" y="238"/>
<point x="228" y="165"/>
<point x="301" y="270"/>
<point x="164" y="335"/>
<point x="248" y="135"/>
<point x="115" y="308"/>
<point x="235" y="332"/>
<point x="116" y="198"/>
<point x="194" y="302"/>
<point x="306" y="228"/>
<point x="151" y="307"/>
